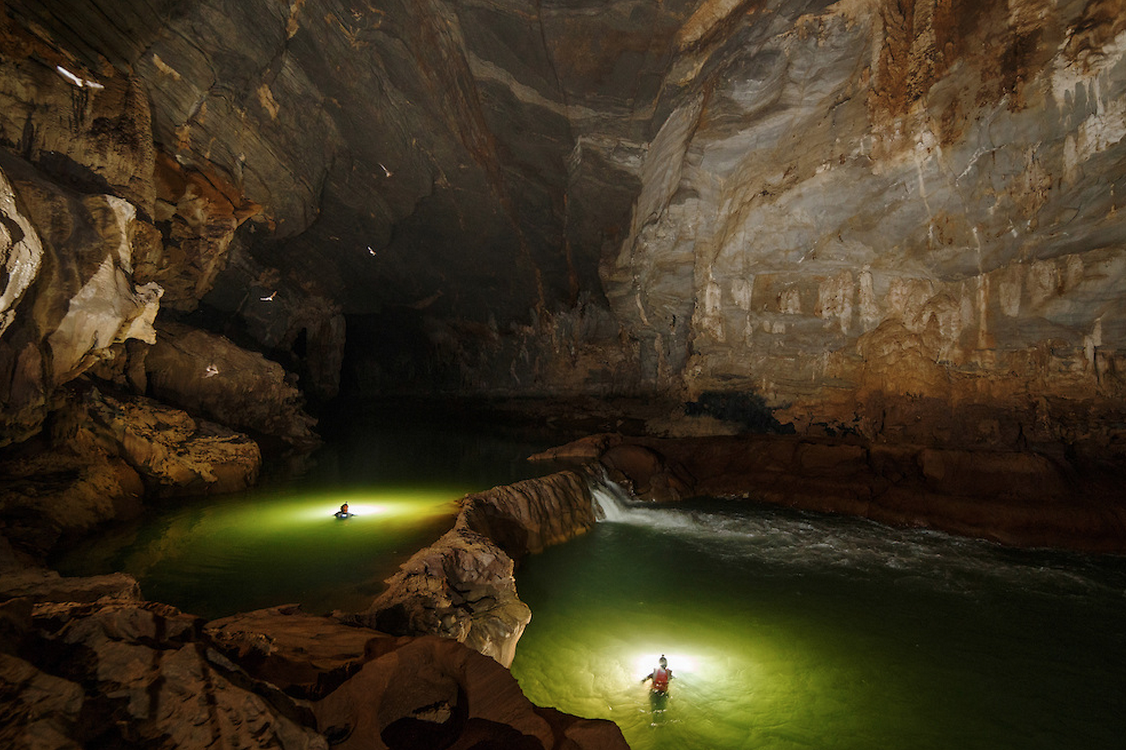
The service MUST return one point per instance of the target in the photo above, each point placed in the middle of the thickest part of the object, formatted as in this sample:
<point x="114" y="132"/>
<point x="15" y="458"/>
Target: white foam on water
<point x="812" y="542"/>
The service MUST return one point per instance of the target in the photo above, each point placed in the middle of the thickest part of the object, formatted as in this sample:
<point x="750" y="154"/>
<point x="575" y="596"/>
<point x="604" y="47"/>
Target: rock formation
<point x="893" y="220"/>
<point x="87" y="662"/>
<point x="462" y="586"/>
<point x="890" y="223"/>
<point x="1016" y="498"/>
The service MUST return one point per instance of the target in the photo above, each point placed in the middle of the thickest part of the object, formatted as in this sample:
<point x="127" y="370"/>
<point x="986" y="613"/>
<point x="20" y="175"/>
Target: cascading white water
<point x="611" y="502"/>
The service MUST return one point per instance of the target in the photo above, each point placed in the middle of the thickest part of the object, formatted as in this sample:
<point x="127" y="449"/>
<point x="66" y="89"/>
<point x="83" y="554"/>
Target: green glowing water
<point x="259" y="549"/>
<point x="401" y="474"/>
<point x="793" y="631"/>
<point x="783" y="630"/>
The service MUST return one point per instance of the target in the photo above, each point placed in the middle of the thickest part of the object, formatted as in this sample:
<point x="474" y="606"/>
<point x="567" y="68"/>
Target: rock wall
<point x="893" y="218"/>
<point x="101" y="234"/>
<point x="1021" y="499"/>
<point x="896" y="219"/>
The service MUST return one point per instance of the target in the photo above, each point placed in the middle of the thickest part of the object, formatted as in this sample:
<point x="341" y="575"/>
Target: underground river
<point x="793" y="630"/>
<point x="783" y="629"/>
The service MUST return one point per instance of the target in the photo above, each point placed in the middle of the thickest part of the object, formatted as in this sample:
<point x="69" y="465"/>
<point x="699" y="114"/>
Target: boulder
<point x="307" y="656"/>
<point x="174" y="453"/>
<point x="431" y="692"/>
<point x="209" y="375"/>
<point x="461" y="587"/>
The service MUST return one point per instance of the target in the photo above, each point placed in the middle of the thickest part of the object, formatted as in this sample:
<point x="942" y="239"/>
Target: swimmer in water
<point x="660" y="676"/>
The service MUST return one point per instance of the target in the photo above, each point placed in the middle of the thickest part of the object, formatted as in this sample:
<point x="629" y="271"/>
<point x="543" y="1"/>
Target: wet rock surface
<point x="462" y="586"/>
<point x="1016" y="498"/>
<point x="87" y="662"/>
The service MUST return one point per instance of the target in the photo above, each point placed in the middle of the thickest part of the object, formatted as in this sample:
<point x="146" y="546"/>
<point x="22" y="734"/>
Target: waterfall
<point x="611" y="501"/>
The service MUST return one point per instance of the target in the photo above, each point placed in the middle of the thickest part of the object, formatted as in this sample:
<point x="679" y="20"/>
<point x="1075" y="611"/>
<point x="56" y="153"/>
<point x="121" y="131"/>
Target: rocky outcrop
<point x="86" y="662"/>
<point x="529" y="516"/>
<point x="70" y="295"/>
<point x="100" y="230"/>
<point x="105" y="456"/>
<point x="207" y="374"/>
<point x="432" y="692"/>
<point x="171" y="451"/>
<point x="371" y="690"/>
<point x="124" y="672"/>
<point x="462" y="586"/>
<point x="1016" y="498"/>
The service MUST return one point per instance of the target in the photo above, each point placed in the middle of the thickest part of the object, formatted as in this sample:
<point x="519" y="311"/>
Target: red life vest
<point x="660" y="680"/>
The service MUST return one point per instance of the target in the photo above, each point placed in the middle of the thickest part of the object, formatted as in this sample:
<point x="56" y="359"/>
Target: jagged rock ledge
<point x="462" y="586"/>
<point x="1017" y="498"/>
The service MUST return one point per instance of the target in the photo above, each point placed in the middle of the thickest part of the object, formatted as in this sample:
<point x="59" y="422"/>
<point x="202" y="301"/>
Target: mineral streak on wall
<point x="894" y="218"/>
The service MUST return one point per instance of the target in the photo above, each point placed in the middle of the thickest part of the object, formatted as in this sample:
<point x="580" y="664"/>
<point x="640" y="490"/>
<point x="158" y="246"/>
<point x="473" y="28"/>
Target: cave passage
<point x="794" y="630"/>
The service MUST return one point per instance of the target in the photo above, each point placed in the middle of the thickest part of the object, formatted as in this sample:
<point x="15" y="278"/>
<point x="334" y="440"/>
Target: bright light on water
<point x="788" y="630"/>
<point x="400" y="470"/>
<point x="217" y="556"/>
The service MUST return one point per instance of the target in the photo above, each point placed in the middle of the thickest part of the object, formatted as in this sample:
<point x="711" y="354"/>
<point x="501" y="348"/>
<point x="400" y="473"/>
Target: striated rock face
<point x="893" y="219"/>
<point x="209" y="375"/>
<point x="105" y="457"/>
<point x="101" y="230"/>
<point x="70" y="295"/>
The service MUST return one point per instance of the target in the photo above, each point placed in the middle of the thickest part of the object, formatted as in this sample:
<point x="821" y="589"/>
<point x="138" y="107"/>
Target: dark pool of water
<point x="791" y="630"/>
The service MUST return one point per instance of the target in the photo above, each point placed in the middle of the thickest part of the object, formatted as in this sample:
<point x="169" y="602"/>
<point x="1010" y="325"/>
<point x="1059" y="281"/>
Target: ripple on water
<point x="789" y="629"/>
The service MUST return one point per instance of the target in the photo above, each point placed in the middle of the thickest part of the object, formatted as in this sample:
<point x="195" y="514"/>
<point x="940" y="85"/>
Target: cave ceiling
<point x="403" y="153"/>
<point x="831" y="207"/>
